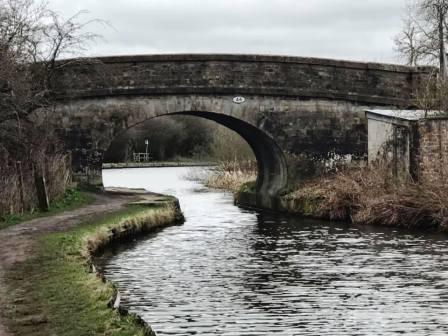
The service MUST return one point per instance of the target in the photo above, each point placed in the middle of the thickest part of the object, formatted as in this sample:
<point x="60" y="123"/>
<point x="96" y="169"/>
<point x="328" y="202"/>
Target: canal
<point x="231" y="271"/>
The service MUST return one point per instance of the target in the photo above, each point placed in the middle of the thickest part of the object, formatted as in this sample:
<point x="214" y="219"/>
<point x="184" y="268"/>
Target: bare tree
<point x="423" y="38"/>
<point x="32" y="39"/>
<point x="408" y="42"/>
<point x="434" y="14"/>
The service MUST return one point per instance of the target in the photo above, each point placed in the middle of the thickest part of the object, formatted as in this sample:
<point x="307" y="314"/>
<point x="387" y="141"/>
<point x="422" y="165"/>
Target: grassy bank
<point x="56" y="293"/>
<point x="72" y="199"/>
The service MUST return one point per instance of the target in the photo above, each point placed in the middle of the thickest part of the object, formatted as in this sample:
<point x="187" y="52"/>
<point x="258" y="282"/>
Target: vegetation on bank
<point x="18" y="190"/>
<point x="359" y="195"/>
<point x="56" y="293"/>
<point x="72" y="198"/>
<point x="230" y="175"/>
<point x="32" y="38"/>
<point x="370" y="196"/>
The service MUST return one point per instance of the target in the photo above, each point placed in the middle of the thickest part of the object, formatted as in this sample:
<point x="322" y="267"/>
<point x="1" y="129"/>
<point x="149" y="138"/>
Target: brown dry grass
<point x="57" y="173"/>
<point x="369" y="196"/>
<point x="230" y="175"/>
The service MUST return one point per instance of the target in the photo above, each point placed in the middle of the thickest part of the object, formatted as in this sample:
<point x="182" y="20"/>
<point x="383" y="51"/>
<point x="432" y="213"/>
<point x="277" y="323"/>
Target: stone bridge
<point x="307" y="108"/>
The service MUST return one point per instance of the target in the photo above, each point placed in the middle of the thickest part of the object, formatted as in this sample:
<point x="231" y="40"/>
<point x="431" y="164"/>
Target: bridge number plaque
<point x="239" y="100"/>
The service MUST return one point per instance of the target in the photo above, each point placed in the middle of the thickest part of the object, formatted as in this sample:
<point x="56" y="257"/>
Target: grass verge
<point x="56" y="293"/>
<point x="72" y="199"/>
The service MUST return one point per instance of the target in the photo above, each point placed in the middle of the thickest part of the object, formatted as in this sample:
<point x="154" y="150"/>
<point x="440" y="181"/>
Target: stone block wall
<point x="311" y="78"/>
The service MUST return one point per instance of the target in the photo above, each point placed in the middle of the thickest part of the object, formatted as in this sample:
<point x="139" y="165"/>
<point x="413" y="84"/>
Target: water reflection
<point x="230" y="271"/>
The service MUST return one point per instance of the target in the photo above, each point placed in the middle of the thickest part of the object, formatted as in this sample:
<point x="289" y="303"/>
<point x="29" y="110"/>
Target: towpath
<point x="16" y="243"/>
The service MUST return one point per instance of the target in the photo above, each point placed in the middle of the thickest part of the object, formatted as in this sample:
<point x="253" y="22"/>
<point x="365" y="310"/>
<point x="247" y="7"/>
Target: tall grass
<point x="17" y="197"/>
<point x="230" y="175"/>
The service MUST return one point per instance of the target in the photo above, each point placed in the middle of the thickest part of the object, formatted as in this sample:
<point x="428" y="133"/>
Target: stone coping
<point x="258" y="58"/>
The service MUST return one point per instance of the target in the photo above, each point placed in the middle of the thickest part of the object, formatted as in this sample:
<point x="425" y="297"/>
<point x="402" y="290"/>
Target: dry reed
<point x="230" y="175"/>
<point x="17" y="197"/>
<point x="370" y="196"/>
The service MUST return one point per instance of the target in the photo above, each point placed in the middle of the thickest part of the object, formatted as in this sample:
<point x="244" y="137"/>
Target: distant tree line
<point x="180" y="138"/>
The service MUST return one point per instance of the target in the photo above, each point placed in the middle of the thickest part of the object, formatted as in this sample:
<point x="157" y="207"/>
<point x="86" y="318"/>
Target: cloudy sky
<point x="343" y="29"/>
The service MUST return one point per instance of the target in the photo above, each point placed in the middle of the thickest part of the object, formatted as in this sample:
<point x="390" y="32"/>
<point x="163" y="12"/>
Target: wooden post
<point x="42" y="194"/>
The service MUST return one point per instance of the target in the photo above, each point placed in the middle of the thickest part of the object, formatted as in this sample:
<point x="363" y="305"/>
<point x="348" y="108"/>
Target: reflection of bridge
<point x="309" y="107"/>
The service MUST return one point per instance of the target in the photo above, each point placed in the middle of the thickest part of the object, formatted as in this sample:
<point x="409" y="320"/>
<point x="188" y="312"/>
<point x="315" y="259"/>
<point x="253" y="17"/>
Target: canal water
<point x="231" y="271"/>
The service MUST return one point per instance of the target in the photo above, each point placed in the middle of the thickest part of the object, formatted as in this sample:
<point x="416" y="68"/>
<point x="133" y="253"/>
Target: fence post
<point x="41" y="189"/>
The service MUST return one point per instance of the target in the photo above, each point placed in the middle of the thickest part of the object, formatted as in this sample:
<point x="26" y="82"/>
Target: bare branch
<point x="423" y="38"/>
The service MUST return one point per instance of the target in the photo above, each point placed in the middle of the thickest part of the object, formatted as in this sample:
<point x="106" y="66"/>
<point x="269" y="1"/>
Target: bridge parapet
<point x="293" y="77"/>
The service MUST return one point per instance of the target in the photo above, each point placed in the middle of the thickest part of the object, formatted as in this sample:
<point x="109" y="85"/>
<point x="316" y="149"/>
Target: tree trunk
<point x="442" y="55"/>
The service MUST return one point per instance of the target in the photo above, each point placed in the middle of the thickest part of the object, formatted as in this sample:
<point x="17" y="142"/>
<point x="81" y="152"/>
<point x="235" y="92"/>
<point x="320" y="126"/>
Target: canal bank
<point x="157" y="164"/>
<point x="48" y="283"/>
<point x="362" y="196"/>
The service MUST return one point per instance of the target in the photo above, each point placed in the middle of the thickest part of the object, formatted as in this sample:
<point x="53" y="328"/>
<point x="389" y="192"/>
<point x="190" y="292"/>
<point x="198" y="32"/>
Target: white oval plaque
<point x="239" y="100"/>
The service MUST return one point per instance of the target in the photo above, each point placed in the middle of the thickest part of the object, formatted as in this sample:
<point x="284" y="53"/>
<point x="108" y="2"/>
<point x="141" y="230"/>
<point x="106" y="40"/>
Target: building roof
<point x="410" y="115"/>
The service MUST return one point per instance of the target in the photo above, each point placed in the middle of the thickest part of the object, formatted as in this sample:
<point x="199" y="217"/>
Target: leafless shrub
<point x="432" y="95"/>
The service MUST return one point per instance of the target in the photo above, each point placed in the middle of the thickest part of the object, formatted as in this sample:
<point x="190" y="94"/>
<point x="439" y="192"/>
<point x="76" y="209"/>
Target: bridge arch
<point x="272" y="168"/>
<point x="89" y="126"/>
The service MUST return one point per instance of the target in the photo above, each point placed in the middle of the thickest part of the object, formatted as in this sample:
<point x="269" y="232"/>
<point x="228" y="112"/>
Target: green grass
<point x="248" y="187"/>
<point x="72" y="199"/>
<point x="55" y="292"/>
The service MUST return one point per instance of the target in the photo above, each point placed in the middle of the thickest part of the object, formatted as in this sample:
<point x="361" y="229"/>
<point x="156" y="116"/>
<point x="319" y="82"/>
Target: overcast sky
<point x="342" y="29"/>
